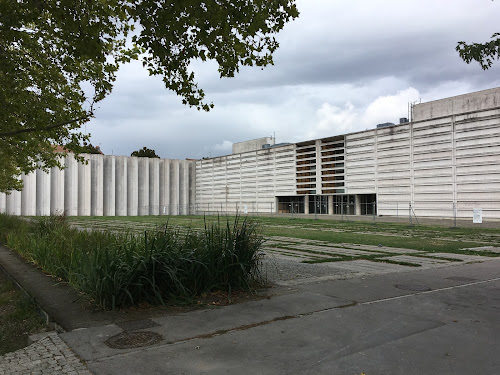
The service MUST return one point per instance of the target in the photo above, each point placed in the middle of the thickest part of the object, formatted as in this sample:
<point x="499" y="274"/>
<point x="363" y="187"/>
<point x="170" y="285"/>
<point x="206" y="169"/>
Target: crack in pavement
<point x="286" y="317"/>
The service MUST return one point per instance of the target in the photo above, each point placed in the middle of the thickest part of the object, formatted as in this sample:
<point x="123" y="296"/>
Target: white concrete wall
<point x="57" y="191"/>
<point x="71" y="187"/>
<point x="252" y="179"/>
<point x="3" y="203"/>
<point x="461" y="104"/>
<point x="84" y="187"/>
<point x="252" y="145"/>
<point x="28" y="195"/>
<point x="174" y="208"/>
<point x="164" y="174"/>
<point x="42" y="193"/>
<point x="96" y="176"/>
<point x="132" y="186"/>
<point x="121" y="185"/>
<point x="107" y="185"/>
<point x="143" y="186"/>
<point x="154" y="186"/>
<point x="13" y="204"/>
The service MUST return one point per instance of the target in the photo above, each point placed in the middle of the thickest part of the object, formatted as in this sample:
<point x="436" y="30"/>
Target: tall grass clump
<point x="122" y="269"/>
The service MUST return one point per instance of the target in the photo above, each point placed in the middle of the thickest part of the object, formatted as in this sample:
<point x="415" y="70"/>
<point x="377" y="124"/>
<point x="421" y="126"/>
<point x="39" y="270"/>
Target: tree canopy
<point x="58" y="58"/>
<point x="483" y="53"/>
<point x="145" y="153"/>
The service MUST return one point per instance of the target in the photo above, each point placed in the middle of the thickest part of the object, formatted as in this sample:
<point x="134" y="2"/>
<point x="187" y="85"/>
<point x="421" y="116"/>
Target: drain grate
<point x="413" y="287"/>
<point x="460" y="278"/>
<point x="128" y="340"/>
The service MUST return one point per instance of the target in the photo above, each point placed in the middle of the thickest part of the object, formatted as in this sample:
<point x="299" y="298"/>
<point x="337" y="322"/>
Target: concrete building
<point x="444" y="162"/>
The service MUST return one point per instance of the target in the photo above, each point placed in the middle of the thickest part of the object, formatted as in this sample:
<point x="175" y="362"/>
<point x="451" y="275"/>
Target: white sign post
<point x="478" y="216"/>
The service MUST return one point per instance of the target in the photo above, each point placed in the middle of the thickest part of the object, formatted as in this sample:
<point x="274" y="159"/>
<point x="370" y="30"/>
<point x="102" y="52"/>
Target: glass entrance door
<point x="344" y="205"/>
<point x="318" y="204"/>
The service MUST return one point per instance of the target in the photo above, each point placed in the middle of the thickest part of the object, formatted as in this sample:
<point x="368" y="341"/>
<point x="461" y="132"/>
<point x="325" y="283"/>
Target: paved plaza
<point x="399" y="311"/>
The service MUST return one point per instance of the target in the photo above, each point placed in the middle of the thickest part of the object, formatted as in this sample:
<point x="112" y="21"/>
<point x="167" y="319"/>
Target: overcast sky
<point x="342" y="66"/>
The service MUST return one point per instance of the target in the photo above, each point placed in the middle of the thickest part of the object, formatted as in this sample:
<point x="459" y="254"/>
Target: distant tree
<point x="145" y="153"/>
<point x="89" y="149"/>
<point x="483" y="53"/>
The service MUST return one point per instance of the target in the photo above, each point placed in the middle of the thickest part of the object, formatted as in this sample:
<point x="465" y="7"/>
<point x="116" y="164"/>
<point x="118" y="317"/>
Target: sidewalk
<point x="440" y="320"/>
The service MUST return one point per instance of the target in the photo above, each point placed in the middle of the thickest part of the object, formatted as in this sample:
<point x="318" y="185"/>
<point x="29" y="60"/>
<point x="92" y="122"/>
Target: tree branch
<point x="29" y="130"/>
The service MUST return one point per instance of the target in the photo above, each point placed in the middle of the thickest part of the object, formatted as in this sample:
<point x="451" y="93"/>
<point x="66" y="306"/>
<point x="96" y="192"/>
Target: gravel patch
<point x="280" y="270"/>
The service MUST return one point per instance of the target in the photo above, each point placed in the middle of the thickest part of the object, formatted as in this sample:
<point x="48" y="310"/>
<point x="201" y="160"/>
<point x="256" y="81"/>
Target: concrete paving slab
<point x="366" y="267"/>
<point x="462" y="257"/>
<point x="375" y="287"/>
<point x="89" y="343"/>
<point x="414" y="334"/>
<point x="333" y="250"/>
<point x="424" y="262"/>
<point x="384" y="249"/>
<point x="493" y="249"/>
<point x="300" y="255"/>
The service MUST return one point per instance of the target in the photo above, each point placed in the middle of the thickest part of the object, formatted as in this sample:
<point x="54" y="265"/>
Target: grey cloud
<point x="335" y="53"/>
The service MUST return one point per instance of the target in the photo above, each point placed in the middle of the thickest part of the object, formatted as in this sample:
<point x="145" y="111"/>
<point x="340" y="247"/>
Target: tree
<point x="90" y="149"/>
<point x="483" y="53"/>
<point x="59" y="58"/>
<point x="145" y="153"/>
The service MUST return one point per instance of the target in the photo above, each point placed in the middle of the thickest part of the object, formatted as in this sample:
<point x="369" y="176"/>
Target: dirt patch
<point x="18" y="317"/>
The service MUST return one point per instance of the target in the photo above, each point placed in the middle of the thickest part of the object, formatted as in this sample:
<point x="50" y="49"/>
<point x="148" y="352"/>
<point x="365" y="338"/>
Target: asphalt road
<point x="371" y="325"/>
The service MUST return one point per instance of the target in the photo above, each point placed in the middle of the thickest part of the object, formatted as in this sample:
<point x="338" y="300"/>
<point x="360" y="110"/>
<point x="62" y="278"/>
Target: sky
<point x="342" y="66"/>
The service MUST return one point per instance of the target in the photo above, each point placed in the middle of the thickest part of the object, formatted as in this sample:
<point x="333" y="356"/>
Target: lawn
<point x="439" y="239"/>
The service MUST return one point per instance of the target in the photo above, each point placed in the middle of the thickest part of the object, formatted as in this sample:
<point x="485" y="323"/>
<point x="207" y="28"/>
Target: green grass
<point x="422" y="237"/>
<point x="18" y="317"/>
<point x="123" y="268"/>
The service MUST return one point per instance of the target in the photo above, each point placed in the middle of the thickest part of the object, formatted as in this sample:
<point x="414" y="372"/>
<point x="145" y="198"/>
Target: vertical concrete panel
<point x="13" y="203"/>
<point x="57" y="191"/>
<point x="121" y="186"/>
<point x="109" y="185"/>
<point x="143" y="186"/>
<point x="84" y="187"/>
<point x="132" y="186"/>
<point x="164" y="186"/>
<point x="192" y="187"/>
<point x="180" y="185"/>
<point x="96" y="184"/>
<point x="154" y="186"/>
<point x="3" y="203"/>
<point x="42" y="193"/>
<point x="71" y="186"/>
<point x="184" y="187"/>
<point x="28" y="195"/>
<point x="174" y="187"/>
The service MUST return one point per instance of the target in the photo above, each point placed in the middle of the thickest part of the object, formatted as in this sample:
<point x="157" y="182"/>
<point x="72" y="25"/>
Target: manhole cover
<point x="460" y="278"/>
<point x="127" y="340"/>
<point x="413" y="287"/>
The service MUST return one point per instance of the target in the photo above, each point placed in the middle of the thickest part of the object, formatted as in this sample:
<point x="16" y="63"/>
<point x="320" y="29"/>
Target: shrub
<point x="122" y="269"/>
